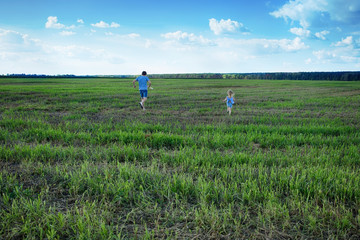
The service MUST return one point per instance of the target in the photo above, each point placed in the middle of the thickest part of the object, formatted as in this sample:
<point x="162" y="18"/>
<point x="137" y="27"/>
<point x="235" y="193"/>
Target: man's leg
<point x="143" y="100"/>
<point x="141" y="97"/>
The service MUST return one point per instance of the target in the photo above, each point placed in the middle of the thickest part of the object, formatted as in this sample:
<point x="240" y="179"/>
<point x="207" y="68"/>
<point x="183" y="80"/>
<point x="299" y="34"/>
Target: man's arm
<point x="134" y="83"/>
<point x="149" y="83"/>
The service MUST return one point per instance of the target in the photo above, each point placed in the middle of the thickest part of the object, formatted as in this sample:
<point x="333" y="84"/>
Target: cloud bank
<point x="308" y="12"/>
<point x="225" y="46"/>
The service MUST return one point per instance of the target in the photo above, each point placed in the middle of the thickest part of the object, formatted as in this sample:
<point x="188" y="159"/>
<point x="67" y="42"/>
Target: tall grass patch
<point x="79" y="159"/>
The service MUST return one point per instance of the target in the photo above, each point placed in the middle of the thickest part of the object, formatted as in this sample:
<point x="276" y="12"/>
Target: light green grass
<point x="79" y="159"/>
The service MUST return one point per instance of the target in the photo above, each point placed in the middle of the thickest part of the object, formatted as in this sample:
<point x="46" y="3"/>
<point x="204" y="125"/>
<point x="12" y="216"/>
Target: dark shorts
<point x="143" y="93"/>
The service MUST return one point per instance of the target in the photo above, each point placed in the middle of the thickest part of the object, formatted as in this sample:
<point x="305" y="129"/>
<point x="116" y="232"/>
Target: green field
<point x="79" y="159"/>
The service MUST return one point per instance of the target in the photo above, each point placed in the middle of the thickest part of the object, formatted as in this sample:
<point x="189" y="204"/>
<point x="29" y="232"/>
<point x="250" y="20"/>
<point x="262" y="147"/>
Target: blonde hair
<point x="230" y="93"/>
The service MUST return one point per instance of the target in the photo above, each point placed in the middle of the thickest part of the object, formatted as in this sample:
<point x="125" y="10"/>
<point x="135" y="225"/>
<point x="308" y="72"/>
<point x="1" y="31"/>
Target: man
<point x="143" y="87"/>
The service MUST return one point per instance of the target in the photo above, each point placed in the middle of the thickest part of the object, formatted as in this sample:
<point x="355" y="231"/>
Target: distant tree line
<point x="189" y="76"/>
<point x="329" y="76"/>
<point x="23" y="75"/>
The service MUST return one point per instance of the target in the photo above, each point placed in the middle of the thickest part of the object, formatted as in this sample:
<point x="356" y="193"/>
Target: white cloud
<point x="287" y="45"/>
<point x="133" y="35"/>
<point x="336" y="56"/>
<point x="80" y="21"/>
<point x="67" y="33"/>
<point x="300" y="10"/>
<point x="229" y="54"/>
<point x="74" y="51"/>
<point x="8" y="36"/>
<point x="246" y="48"/>
<point x="18" y="42"/>
<point x="120" y="36"/>
<point x="301" y="32"/>
<point x="346" y="51"/>
<point x="19" y="53"/>
<point x="322" y="34"/>
<point x="307" y="12"/>
<point x="52" y="22"/>
<point x="114" y="25"/>
<point x="345" y="42"/>
<point x="187" y="38"/>
<point x="224" y="26"/>
<point x="270" y="46"/>
<point x="103" y="24"/>
<point x="322" y="54"/>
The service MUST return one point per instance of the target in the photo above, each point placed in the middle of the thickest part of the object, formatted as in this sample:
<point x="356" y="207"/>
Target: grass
<point x="79" y="159"/>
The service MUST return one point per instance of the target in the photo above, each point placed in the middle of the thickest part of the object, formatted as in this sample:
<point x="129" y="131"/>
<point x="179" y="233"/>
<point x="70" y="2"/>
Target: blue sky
<point x="188" y="36"/>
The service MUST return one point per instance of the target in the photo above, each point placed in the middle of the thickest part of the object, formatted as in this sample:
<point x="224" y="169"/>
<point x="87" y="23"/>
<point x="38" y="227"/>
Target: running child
<point x="143" y="87"/>
<point x="230" y="100"/>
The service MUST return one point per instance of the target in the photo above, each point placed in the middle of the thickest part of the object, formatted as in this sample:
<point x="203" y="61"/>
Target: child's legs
<point x="229" y="106"/>
<point x="143" y="95"/>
